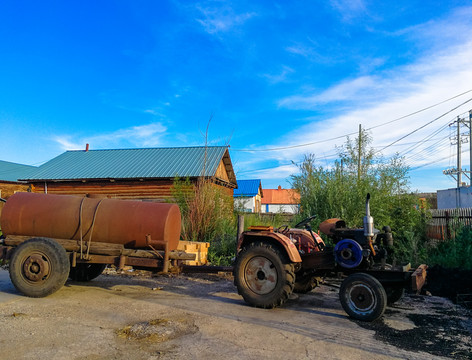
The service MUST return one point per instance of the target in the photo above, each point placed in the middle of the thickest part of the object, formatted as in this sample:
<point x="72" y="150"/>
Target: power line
<point x="268" y="168"/>
<point x="353" y="133"/>
<point x="422" y="141"/>
<point x="428" y="123"/>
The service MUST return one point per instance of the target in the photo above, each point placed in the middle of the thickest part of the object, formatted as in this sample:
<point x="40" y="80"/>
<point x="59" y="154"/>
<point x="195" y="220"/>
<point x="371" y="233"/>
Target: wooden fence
<point x="445" y="222"/>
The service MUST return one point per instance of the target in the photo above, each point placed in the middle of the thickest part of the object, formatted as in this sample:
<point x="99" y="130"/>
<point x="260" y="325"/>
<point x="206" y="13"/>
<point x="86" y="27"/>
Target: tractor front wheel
<point x="263" y="275"/>
<point x="363" y="297"/>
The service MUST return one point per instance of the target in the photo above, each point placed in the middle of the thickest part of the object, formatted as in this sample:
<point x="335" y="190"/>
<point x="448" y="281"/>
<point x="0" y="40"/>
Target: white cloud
<point x="362" y="87"/>
<point x="349" y="9"/>
<point x="440" y="73"/>
<point x="67" y="144"/>
<point x="279" y="77"/>
<point x="438" y="33"/>
<point x="220" y="19"/>
<point x="149" y="135"/>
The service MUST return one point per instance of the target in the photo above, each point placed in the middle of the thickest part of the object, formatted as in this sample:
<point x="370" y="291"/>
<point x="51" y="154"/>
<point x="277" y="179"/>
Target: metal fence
<point x="445" y="222"/>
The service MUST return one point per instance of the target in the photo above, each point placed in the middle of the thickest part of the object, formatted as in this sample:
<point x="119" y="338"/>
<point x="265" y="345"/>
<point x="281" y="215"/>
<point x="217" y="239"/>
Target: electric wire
<point x="353" y="133"/>
<point x="428" y="123"/>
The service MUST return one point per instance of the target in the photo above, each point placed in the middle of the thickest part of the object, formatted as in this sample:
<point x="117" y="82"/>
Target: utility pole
<point x="359" y="154"/>
<point x="459" y="154"/>
<point x="458" y="140"/>
<point x="470" y="146"/>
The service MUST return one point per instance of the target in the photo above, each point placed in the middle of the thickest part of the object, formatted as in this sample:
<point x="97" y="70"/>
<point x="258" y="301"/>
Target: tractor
<point x="271" y="264"/>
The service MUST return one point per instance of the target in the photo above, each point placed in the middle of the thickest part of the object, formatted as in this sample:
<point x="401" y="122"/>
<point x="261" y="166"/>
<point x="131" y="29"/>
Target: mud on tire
<point x="264" y="275"/>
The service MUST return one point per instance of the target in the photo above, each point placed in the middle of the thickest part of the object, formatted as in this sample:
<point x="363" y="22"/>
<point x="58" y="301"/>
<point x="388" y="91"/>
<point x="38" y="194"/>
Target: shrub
<point x="455" y="252"/>
<point x="340" y="191"/>
<point x="207" y="216"/>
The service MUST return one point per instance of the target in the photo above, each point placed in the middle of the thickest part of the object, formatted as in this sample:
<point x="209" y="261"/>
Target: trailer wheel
<point x="394" y="294"/>
<point x="39" y="267"/>
<point x="263" y="275"/>
<point x="363" y="297"/>
<point x="305" y="284"/>
<point x="86" y="272"/>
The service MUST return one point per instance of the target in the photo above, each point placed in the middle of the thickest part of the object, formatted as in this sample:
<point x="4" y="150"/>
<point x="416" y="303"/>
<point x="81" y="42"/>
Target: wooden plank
<point x="100" y="248"/>
<point x="418" y="278"/>
<point x="73" y="245"/>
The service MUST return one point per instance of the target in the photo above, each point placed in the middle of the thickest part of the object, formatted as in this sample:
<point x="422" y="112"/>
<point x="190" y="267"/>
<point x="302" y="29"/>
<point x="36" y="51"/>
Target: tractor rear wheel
<point x="86" y="272"/>
<point x="263" y="275"/>
<point x="363" y="297"/>
<point x="39" y="267"/>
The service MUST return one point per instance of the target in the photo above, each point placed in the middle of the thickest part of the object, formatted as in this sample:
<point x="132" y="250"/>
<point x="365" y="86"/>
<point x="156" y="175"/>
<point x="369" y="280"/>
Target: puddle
<point x="158" y="330"/>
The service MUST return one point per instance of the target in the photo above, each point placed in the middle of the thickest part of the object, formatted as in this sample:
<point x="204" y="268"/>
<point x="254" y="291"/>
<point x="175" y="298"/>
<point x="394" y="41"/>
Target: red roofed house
<point x="280" y="201"/>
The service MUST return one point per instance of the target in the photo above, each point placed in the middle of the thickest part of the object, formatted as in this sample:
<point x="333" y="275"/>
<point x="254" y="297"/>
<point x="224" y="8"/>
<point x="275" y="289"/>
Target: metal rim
<point x="361" y="298"/>
<point x="36" y="268"/>
<point x="260" y="275"/>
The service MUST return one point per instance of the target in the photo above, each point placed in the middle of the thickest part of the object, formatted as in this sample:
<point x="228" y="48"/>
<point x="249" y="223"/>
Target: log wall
<point x="156" y="190"/>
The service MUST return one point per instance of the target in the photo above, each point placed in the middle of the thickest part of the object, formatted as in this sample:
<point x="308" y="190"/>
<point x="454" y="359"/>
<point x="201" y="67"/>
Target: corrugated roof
<point x="281" y="196"/>
<point x="247" y="188"/>
<point x="135" y="163"/>
<point x="12" y="172"/>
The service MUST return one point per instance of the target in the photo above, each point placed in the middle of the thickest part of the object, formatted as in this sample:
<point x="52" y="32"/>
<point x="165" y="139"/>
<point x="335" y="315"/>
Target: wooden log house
<point x="146" y="174"/>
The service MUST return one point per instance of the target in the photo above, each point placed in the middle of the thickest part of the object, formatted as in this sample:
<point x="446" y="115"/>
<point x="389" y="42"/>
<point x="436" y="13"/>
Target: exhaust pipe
<point x="368" y="220"/>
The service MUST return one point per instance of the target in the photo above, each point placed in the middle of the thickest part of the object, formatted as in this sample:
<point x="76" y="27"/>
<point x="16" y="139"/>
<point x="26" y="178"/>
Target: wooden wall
<point x="152" y="190"/>
<point x="7" y="188"/>
<point x="157" y="190"/>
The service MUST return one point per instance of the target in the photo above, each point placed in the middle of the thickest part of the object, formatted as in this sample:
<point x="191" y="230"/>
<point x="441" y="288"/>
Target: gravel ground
<point x="138" y="316"/>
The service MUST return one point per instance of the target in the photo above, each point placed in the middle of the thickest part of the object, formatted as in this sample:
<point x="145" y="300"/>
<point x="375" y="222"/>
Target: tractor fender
<point x="248" y="237"/>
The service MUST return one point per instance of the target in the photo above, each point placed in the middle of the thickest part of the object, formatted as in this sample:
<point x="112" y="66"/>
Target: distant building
<point x="427" y="200"/>
<point x="132" y="173"/>
<point x="455" y="198"/>
<point x="248" y="196"/>
<point x="9" y="175"/>
<point x="280" y="201"/>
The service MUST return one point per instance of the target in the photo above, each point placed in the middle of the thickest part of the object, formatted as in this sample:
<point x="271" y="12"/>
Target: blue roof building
<point x="248" y="195"/>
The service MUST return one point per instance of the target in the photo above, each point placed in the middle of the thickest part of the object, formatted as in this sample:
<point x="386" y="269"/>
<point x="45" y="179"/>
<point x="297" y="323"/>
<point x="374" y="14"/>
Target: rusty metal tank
<point x="124" y="222"/>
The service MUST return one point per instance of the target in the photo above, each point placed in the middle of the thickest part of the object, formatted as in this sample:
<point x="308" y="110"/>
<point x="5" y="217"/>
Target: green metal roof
<point x="135" y="163"/>
<point x="12" y="172"/>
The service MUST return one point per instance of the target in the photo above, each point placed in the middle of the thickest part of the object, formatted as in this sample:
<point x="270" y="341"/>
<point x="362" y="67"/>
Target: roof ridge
<point x="154" y="148"/>
<point x="14" y="163"/>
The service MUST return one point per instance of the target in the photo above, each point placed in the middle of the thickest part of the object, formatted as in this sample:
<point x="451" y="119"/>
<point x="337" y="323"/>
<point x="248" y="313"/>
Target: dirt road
<point x="144" y="317"/>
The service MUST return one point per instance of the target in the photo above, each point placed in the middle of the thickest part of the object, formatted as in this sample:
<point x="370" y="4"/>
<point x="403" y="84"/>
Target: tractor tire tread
<point x="289" y="278"/>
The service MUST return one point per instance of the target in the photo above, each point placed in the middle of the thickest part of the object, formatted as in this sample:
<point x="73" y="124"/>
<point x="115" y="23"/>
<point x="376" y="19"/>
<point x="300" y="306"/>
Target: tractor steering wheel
<point x="306" y="221"/>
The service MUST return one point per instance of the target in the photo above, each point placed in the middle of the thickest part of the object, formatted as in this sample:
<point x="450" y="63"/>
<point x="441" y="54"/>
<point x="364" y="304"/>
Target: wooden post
<point x="448" y="227"/>
<point x="240" y="226"/>
<point x="165" y="266"/>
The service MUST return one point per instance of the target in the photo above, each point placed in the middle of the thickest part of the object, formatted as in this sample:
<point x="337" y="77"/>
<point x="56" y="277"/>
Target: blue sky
<point x="271" y="75"/>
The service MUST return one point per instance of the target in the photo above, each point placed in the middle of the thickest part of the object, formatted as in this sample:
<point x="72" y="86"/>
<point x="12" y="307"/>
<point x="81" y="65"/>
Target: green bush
<point x="207" y="211"/>
<point x="454" y="253"/>
<point x="222" y="250"/>
<point x="340" y="192"/>
<point x="207" y="216"/>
